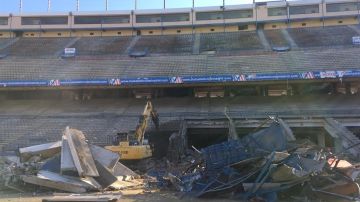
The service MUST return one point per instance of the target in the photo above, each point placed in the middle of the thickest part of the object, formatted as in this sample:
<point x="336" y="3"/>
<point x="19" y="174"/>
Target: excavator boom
<point x="144" y="121"/>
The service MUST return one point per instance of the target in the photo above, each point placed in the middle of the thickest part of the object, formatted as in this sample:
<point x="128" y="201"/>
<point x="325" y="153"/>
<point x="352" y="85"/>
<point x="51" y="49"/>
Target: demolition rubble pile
<point x="265" y="166"/>
<point x="70" y="165"/>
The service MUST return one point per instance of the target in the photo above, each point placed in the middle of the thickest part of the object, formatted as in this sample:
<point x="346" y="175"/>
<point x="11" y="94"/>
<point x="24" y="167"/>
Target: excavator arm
<point x="149" y="111"/>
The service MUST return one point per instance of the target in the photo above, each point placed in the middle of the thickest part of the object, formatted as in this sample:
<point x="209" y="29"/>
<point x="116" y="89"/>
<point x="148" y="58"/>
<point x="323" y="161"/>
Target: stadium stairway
<point x="356" y="28"/>
<point x="289" y="39"/>
<point x="4" y="43"/>
<point x="263" y="39"/>
<point x="132" y="44"/>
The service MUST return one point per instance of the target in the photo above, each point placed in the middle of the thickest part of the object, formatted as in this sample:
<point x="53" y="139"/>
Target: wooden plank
<point x="81" y="153"/>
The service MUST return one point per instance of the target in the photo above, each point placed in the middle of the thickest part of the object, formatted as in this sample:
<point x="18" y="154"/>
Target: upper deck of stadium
<point x="235" y="43"/>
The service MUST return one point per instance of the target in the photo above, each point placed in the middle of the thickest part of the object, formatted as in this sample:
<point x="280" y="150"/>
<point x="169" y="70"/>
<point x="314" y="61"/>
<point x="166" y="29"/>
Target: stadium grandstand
<point x="94" y="70"/>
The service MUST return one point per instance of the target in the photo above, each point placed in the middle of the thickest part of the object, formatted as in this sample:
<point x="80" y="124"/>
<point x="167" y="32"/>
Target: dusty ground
<point x="128" y="196"/>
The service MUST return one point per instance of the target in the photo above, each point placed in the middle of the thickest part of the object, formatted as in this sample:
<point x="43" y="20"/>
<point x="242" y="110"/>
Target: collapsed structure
<point x="267" y="164"/>
<point x="70" y="165"/>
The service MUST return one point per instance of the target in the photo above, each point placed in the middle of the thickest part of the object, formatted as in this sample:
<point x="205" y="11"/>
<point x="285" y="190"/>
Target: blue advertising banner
<point x="186" y="79"/>
<point x="207" y="79"/>
<point x="142" y="81"/>
<point x="23" y="83"/>
<point x="273" y="76"/>
<point x="99" y="82"/>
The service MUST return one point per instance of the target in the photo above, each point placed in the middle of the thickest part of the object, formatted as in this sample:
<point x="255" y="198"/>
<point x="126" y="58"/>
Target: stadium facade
<point x="268" y="15"/>
<point x="213" y="51"/>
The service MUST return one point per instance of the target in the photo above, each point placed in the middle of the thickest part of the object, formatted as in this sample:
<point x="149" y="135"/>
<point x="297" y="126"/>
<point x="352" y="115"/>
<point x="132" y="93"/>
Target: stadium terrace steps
<point x="225" y="43"/>
<point x="36" y="47"/>
<point x="105" y="45"/>
<point x="100" y="119"/>
<point x="293" y="61"/>
<point x="248" y="40"/>
<point x="322" y="36"/>
<point x="165" y="44"/>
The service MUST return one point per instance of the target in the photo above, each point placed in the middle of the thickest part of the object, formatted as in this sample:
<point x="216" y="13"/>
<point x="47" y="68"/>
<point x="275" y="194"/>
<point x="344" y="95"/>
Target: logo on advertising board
<point x="70" y="51"/>
<point x="340" y="74"/>
<point x="238" y="77"/>
<point x="308" y="75"/>
<point x="176" y="79"/>
<point x="328" y="74"/>
<point x="115" y="82"/>
<point x="54" y="83"/>
<point x="356" y="40"/>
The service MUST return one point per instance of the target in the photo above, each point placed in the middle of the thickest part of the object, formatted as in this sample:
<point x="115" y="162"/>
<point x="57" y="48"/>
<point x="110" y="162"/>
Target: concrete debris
<point x="67" y="163"/>
<point x="81" y="154"/>
<point x="42" y="151"/>
<point x="262" y="166"/>
<point x="84" y="197"/>
<point x="105" y="157"/>
<point x="266" y="165"/>
<point x="57" y="181"/>
<point x="106" y="177"/>
<point x="70" y="165"/>
<point x="122" y="170"/>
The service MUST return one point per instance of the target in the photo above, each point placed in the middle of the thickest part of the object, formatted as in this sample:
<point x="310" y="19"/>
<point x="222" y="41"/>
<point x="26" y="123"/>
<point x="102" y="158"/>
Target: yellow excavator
<point x="135" y="147"/>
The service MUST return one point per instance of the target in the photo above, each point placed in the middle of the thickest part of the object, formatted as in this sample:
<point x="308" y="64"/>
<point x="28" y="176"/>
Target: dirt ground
<point x="137" y="195"/>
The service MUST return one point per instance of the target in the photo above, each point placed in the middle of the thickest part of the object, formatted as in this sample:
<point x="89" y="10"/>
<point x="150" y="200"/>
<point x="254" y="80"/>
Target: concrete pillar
<point x="321" y="139"/>
<point x="338" y="144"/>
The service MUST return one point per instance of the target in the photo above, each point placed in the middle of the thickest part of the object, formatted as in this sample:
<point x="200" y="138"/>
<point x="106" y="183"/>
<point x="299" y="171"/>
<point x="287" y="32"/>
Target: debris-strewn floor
<point x="136" y="195"/>
<point x="266" y="165"/>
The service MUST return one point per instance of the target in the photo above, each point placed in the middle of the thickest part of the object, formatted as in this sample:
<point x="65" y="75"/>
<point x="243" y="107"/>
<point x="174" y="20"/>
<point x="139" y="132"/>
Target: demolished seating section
<point x="275" y="38"/>
<point x="322" y="36"/>
<point x="230" y="41"/>
<point x="36" y="47"/>
<point x="101" y="45"/>
<point x="165" y="44"/>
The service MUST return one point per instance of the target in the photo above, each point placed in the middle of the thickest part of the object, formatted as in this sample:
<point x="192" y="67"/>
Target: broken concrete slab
<point x="81" y="153"/>
<point x="52" y="165"/>
<point x="84" y="197"/>
<point x="67" y="163"/>
<point x="106" y="157"/>
<point x="57" y="181"/>
<point x="106" y="178"/>
<point x="122" y="170"/>
<point x="43" y="151"/>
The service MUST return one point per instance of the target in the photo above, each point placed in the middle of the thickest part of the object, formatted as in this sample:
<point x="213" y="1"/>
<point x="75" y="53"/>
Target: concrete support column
<point x="321" y="139"/>
<point x="338" y="144"/>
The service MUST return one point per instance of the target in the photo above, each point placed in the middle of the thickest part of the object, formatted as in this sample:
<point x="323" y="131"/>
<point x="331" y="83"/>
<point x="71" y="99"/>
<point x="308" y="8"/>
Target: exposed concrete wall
<point x="276" y="25"/>
<point x="5" y="34"/>
<point x="306" y="23"/>
<point x="341" y="21"/>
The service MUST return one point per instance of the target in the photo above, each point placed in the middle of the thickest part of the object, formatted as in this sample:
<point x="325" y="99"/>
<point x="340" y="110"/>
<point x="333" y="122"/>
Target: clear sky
<point x="12" y="6"/>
